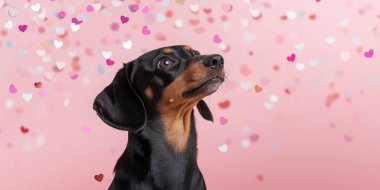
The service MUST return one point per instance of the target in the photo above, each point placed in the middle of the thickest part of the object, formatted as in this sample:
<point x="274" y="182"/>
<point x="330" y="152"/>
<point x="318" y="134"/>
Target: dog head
<point x="165" y="81"/>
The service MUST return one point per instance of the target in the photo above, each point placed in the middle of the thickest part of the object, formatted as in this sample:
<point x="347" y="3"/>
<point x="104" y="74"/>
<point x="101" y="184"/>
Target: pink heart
<point x="124" y="19"/>
<point x="74" y="76"/>
<point x="369" y="53"/>
<point x="76" y="21"/>
<point x="133" y="7"/>
<point x="43" y="93"/>
<point x="12" y="89"/>
<point x="217" y="39"/>
<point x="227" y="7"/>
<point x="89" y="8"/>
<point x="223" y="120"/>
<point x="245" y="70"/>
<point x="22" y="28"/>
<point x="110" y="62"/>
<point x="348" y="138"/>
<point x="62" y="14"/>
<point x="291" y="58"/>
<point x="145" y="30"/>
<point x="254" y="137"/>
<point x="145" y="10"/>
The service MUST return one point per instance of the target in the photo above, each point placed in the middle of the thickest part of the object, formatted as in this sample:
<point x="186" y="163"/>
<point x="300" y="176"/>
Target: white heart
<point x="127" y="44"/>
<point x="46" y="58"/>
<point x="12" y="12"/>
<point x="58" y="44"/>
<point x="313" y="62"/>
<point x="223" y="148"/>
<point x="291" y="14"/>
<point x="8" y="24"/>
<point x="36" y="7"/>
<point x="356" y="41"/>
<point x="40" y="52"/>
<point x="72" y="53"/>
<point x="345" y="55"/>
<point x="75" y="27"/>
<point x="98" y="6"/>
<point x="107" y="54"/>
<point x="27" y="96"/>
<point x="161" y="17"/>
<point x="9" y="104"/>
<point x="344" y="22"/>
<point x="268" y="105"/>
<point x="60" y="65"/>
<point x="116" y="3"/>
<point x="330" y="40"/>
<point x="66" y="102"/>
<point x="300" y="66"/>
<point x="255" y="12"/>
<point x="178" y="23"/>
<point x="194" y="7"/>
<point x="245" y="143"/>
<point x="246" y="85"/>
<point x="244" y="22"/>
<point x="273" y="98"/>
<point x="299" y="46"/>
<point x="40" y="140"/>
<point x="222" y="46"/>
<point x="2" y="3"/>
<point x="60" y="30"/>
<point x="49" y="75"/>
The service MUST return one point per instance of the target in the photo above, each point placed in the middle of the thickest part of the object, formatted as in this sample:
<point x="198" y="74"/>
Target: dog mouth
<point x="207" y="87"/>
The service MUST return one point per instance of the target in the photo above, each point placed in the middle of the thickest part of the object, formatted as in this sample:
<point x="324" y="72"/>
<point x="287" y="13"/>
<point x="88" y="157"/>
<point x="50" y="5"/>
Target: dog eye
<point x="165" y="63"/>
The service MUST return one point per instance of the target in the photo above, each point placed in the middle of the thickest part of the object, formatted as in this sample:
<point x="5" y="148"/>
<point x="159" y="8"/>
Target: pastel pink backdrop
<point x="283" y="137"/>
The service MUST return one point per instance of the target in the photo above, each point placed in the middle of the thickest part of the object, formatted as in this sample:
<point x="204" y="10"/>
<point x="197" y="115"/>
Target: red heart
<point x="312" y="16"/>
<point x="194" y="21"/>
<point x="225" y="104"/>
<point x="260" y="177"/>
<point x="99" y="177"/>
<point x="38" y="84"/>
<point x="207" y="11"/>
<point x="24" y="129"/>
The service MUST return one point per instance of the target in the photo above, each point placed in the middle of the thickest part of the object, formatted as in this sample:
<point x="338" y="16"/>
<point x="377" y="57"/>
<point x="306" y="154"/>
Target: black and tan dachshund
<point x="153" y="98"/>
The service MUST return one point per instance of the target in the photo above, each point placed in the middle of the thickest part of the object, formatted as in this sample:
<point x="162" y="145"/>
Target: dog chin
<point x="204" y="89"/>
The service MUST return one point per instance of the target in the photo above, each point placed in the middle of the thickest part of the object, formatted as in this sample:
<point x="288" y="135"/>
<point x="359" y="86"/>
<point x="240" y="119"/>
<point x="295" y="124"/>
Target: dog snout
<point x="215" y="62"/>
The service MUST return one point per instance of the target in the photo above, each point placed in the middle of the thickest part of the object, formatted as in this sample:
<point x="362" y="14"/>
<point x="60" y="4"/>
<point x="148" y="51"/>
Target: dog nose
<point x="215" y="62"/>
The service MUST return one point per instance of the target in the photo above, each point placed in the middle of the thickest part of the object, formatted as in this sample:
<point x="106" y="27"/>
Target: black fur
<point x="148" y="162"/>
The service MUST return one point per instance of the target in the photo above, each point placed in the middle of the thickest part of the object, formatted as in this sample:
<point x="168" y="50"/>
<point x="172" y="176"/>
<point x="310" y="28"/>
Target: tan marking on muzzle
<point x="149" y="92"/>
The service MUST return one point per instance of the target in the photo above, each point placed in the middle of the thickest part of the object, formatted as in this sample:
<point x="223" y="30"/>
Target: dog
<point x="153" y="98"/>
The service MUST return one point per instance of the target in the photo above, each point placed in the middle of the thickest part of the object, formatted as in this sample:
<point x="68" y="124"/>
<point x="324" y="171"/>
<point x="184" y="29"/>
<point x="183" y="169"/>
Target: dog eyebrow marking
<point x="167" y="51"/>
<point x="148" y="92"/>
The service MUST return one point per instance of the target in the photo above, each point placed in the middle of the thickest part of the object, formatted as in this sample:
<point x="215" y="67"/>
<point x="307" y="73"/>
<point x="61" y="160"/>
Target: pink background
<point x="284" y="137"/>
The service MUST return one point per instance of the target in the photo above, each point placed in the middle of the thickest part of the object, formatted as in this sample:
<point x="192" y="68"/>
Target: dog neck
<point x="149" y="156"/>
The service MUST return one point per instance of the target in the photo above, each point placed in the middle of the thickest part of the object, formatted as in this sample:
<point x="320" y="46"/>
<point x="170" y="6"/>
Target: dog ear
<point x="119" y="105"/>
<point x="204" y="110"/>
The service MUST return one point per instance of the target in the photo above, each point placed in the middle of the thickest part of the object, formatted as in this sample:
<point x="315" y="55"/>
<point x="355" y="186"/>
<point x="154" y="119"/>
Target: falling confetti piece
<point x="291" y="57"/>
<point x="99" y="177"/>
<point x="38" y="84"/>
<point x="110" y="62"/>
<point x="12" y="89"/>
<point x="368" y="54"/>
<point x="145" y="30"/>
<point x="223" y="148"/>
<point x="217" y="39"/>
<point x="258" y="88"/>
<point x="223" y="120"/>
<point x="22" y="28"/>
<point x="124" y="19"/>
<point x="225" y="104"/>
<point x="24" y="130"/>
<point x="330" y="99"/>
